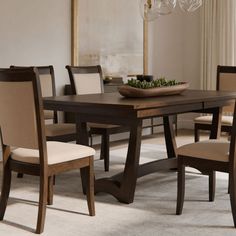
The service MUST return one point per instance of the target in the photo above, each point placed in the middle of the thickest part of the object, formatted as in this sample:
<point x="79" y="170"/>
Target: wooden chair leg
<point x="20" y="175"/>
<point x="42" y="204"/>
<point x="180" y="188"/>
<point x="212" y="186"/>
<point x="105" y="146"/>
<point x="232" y="182"/>
<point x="54" y="179"/>
<point x="176" y="125"/>
<point x="196" y="134"/>
<point x="90" y="188"/>
<point x="50" y="189"/>
<point x="102" y="147"/>
<point x="84" y="183"/>
<point x="87" y="177"/>
<point x="90" y="140"/>
<point x="229" y="186"/>
<point x="6" y="185"/>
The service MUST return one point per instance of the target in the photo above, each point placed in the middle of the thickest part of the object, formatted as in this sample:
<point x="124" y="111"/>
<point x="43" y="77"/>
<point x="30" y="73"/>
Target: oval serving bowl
<point x="132" y="92"/>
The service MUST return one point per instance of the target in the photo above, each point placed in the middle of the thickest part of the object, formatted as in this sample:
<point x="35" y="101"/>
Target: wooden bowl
<point x="132" y="92"/>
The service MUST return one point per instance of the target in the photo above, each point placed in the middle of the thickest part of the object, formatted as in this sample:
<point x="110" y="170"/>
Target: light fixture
<point x="152" y="9"/>
<point x="148" y="9"/>
<point x="165" y="7"/>
<point x="190" y="5"/>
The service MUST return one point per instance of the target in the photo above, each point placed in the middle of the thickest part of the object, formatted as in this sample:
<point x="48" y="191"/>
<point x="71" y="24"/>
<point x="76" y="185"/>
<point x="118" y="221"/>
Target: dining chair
<point x="209" y="156"/>
<point x="226" y="81"/>
<point x="55" y="131"/>
<point x="24" y="144"/>
<point x="88" y="80"/>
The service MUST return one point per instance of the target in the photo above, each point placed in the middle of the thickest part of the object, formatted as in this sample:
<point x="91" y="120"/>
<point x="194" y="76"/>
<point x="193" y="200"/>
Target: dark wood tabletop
<point x="112" y="108"/>
<point x="114" y="101"/>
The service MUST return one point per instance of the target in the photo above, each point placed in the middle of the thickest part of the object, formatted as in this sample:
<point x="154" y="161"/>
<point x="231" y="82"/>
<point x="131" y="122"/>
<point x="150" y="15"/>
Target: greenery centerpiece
<point x="159" y="87"/>
<point x="162" y="82"/>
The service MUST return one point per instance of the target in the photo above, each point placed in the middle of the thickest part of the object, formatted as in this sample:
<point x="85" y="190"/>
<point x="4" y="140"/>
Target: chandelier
<point x="152" y="9"/>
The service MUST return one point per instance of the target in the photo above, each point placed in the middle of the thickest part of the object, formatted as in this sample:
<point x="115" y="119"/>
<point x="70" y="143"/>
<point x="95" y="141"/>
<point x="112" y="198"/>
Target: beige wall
<point x="36" y="32"/>
<point x="175" y="47"/>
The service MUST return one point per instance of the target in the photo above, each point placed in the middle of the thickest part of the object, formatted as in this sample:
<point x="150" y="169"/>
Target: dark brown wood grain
<point x="112" y="108"/>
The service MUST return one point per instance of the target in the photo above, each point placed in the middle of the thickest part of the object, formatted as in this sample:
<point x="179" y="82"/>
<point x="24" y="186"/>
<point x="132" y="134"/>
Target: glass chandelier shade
<point x="164" y="7"/>
<point x="148" y="9"/>
<point x="190" y="5"/>
<point x="152" y="9"/>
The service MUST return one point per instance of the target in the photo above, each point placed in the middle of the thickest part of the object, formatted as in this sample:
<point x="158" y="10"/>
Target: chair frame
<point x="43" y="170"/>
<point x="210" y="166"/>
<point x="105" y="131"/>
<point x="224" y="128"/>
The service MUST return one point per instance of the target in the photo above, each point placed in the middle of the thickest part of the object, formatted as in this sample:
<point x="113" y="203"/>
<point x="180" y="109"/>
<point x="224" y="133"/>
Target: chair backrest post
<point x="40" y="122"/>
<point x="49" y="70"/>
<point x="85" y="79"/>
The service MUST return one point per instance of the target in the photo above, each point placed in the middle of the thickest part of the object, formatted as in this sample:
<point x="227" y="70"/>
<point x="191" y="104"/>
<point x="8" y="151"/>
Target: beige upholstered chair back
<point x="226" y="81"/>
<point x="48" y="88"/>
<point x="86" y="80"/>
<point x="46" y="84"/>
<point x="87" y="83"/>
<point x="18" y="118"/>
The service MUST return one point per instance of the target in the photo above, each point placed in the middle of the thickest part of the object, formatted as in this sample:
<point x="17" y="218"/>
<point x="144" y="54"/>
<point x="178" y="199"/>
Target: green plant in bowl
<point x="162" y="82"/>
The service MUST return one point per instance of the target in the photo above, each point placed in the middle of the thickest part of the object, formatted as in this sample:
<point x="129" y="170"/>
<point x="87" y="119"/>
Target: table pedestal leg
<point x="124" y="188"/>
<point x="171" y="146"/>
<point x="82" y="138"/>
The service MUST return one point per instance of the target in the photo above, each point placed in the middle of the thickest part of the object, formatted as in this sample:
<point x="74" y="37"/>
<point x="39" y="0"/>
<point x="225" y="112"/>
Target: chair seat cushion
<point x="53" y="130"/>
<point x="226" y="120"/>
<point x="213" y="149"/>
<point x="58" y="152"/>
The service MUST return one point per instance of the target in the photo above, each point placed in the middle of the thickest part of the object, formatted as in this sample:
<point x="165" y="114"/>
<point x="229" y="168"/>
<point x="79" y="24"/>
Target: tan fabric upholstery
<point x="226" y="120"/>
<point x="87" y="83"/>
<point x="58" y="152"/>
<point x="227" y="82"/>
<point x="46" y="88"/>
<point x="46" y="85"/>
<point x="17" y="116"/>
<point x="210" y="149"/>
<point x="59" y="129"/>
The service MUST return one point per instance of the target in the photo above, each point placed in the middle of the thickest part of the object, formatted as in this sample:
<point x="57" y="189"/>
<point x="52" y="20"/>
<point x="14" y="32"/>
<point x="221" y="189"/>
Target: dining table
<point x="112" y="108"/>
